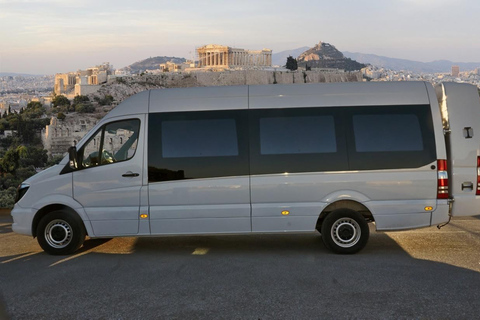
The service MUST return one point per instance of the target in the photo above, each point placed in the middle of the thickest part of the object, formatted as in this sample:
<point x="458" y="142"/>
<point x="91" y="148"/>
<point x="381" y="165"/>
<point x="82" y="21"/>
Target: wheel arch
<point x="54" y="207"/>
<point x="344" y="204"/>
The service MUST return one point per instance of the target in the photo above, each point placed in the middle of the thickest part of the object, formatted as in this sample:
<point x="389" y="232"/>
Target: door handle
<point x="467" y="185"/>
<point x="129" y="174"/>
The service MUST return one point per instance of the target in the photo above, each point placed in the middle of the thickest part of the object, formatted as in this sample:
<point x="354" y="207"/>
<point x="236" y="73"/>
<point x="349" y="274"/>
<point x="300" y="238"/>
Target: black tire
<point x="60" y="232"/>
<point x="345" y="231"/>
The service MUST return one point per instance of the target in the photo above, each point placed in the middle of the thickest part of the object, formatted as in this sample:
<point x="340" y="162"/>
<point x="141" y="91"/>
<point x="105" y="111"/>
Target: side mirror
<point x="72" y="156"/>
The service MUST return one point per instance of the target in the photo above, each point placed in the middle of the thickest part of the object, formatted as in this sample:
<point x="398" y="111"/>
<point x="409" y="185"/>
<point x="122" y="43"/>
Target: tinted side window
<point x="199" y="138"/>
<point x="297" y="140"/>
<point x="293" y="135"/>
<point x="387" y="132"/>
<point x="192" y="145"/>
<point x="391" y="137"/>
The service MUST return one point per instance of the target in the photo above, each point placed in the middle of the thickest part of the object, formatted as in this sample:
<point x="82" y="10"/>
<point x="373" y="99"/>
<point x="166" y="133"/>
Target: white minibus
<point x="264" y="159"/>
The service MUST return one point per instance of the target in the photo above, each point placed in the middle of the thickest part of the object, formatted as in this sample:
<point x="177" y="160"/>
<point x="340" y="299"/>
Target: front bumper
<point x="22" y="220"/>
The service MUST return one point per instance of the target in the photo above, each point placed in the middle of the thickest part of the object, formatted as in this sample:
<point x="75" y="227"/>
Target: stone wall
<point x="62" y="134"/>
<point x="123" y="87"/>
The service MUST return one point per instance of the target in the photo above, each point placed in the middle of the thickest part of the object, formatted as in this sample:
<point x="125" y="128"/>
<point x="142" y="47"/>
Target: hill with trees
<point x="152" y="63"/>
<point x="325" y="55"/>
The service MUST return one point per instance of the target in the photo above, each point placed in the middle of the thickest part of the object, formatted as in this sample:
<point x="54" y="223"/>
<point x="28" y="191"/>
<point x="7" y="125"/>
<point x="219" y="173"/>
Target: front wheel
<point x="60" y="232"/>
<point x="345" y="231"/>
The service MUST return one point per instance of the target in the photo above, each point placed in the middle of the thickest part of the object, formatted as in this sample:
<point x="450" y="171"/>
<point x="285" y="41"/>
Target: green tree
<point x="10" y="161"/>
<point x="35" y="156"/>
<point x="80" y="100"/>
<point x="84" y="108"/>
<point x="105" y="101"/>
<point x="291" y="63"/>
<point x="7" y="197"/>
<point x="60" y="100"/>
<point x="34" y="110"/>
<point x="61" y="116"/>
<point x="54" y="160"/>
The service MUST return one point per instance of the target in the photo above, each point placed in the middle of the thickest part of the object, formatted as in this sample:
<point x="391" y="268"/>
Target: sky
<point x="57" y="36"/>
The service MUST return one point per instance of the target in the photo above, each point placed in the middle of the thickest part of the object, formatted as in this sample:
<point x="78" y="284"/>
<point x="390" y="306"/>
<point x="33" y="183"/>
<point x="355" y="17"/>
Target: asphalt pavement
<point x="418" y="274"/>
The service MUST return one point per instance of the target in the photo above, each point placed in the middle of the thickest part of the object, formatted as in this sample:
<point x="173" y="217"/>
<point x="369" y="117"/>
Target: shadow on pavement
<point x="90" y="244"/>
<point x="276" y="276"/>
<point x="3" y="310"/>
<point x="5" y="228"/>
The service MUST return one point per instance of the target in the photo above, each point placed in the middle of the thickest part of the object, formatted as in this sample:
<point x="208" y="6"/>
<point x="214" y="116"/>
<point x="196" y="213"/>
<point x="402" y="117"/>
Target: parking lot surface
<point x="418" y="274"/>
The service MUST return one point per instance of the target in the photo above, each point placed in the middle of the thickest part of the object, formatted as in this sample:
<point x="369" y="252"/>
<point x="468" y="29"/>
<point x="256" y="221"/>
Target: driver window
<point x="116" y="140"/>
<point x="120" y="141"/>
<point x="90" y="156"/>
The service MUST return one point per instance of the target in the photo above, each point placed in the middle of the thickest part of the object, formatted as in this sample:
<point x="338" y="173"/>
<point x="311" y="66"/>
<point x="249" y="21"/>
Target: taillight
<point x="478" y="177"/>
<point x="442" y="175"/>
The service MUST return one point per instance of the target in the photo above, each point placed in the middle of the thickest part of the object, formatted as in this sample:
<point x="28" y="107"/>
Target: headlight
<point x="21" y="190"/>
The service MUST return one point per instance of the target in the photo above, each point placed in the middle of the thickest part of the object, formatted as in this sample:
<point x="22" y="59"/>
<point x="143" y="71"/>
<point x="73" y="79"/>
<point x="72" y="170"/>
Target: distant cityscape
<point x="16" y="91"/>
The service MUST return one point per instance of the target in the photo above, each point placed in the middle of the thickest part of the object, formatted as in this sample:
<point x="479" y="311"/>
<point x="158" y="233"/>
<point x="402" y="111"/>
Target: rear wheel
<point x="345" y="231"/>
<point x="60" y="232"/>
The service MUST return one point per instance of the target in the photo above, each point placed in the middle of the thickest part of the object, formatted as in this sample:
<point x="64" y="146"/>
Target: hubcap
<point x="58" y="234"/>
<point x="346" y="232"/>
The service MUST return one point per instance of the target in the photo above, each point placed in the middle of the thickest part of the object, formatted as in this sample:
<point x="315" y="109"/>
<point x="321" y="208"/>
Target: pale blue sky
<point x="46" y="37"/>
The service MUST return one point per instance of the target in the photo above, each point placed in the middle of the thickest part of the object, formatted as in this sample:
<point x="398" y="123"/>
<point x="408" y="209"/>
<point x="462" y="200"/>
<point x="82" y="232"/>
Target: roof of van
<point x="275" y="96"/>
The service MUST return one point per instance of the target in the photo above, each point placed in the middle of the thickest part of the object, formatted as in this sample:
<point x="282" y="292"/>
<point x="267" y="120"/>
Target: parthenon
<point x="223" y="57"/>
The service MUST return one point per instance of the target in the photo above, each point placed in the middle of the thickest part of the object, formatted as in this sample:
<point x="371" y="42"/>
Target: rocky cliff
<point x="122" y="88"/>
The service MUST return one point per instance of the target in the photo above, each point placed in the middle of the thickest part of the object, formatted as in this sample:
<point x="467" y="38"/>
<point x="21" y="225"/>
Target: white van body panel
<point x="112" y="201"/>
<point x="219" y="205"/>
<point x="136" y="104"/>
<point x="199" y="99"/>
<point x="337" y="94"/>
<point x="46" y="187"/>
<point x="460" y="104"/>
<point x="385" y="192"/>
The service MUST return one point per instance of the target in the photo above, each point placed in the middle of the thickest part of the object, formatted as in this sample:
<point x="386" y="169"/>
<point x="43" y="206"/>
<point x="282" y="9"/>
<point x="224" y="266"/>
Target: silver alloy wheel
<point x="58" y="233"/>
<point x="346" y="232"/>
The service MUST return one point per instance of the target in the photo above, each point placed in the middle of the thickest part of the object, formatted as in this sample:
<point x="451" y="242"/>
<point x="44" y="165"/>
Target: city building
<point x="220" y="57"/>
<point x="455" y="71"/>
<point x="171" y="66"/>
<point x="82" y="82"/>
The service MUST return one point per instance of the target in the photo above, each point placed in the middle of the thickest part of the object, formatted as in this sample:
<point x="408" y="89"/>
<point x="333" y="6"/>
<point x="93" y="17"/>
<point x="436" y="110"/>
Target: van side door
<point x="109" y="178"/>
<point x="198" y="172"/>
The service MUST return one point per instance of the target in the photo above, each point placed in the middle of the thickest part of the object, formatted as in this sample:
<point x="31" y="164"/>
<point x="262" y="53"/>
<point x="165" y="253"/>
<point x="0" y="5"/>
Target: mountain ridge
<point x="280" y="58"/>
<point x="396" y="64"/>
